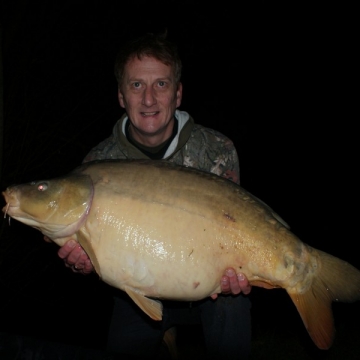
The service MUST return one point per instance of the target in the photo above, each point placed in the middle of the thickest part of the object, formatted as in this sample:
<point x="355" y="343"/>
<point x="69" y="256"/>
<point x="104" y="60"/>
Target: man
<point x="148" y="71"/>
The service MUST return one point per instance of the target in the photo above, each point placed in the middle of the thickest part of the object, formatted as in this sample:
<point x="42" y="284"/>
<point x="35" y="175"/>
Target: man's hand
<point x="75" y="257"/>
<point x="232" y="283"/>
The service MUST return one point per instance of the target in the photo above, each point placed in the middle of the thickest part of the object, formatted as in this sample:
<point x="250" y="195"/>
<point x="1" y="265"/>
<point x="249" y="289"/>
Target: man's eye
<point x="136" y="85"/>
<point x="162" y="83"/>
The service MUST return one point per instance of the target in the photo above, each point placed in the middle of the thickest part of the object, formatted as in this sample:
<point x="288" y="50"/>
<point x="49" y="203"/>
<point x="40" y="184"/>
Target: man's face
<point x="150" y="97"/>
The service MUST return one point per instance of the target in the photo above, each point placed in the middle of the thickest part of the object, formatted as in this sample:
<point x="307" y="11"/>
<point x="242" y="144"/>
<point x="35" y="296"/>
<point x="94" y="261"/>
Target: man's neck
<point x="153" y="152"/>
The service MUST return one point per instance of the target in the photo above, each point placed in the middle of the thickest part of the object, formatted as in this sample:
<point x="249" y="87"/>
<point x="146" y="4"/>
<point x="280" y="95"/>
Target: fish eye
<point x="42" y="187"/>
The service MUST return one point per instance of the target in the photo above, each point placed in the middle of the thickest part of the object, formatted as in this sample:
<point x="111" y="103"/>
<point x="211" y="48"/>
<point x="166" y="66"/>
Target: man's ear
<point x="121" y="98"/>
<point x="179" y="95"/>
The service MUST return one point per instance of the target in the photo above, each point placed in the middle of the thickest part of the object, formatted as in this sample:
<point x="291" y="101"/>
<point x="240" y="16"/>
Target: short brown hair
<point x="152" y="45"/>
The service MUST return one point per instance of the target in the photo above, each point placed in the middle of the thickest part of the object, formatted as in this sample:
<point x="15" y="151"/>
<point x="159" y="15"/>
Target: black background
<point x="279" y="79"/>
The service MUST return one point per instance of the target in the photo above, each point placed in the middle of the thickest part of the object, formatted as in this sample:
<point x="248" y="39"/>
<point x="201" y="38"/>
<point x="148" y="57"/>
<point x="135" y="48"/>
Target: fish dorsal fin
<point x="316" y="313"/>
<point x="151" y="307"/>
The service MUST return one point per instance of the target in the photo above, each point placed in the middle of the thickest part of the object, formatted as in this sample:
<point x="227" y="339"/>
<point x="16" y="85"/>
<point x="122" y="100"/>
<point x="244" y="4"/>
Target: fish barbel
<point x="138" y="219"/>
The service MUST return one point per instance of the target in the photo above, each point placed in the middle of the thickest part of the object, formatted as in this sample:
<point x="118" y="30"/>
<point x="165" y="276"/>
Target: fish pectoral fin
<point x="86" y="245"/>
<point x="151" y="307"/>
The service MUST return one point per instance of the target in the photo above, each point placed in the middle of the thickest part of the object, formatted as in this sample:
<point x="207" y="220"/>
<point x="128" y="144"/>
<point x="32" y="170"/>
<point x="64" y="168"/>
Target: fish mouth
<point x="5" y="209"/>
<point x="11" y="202"/>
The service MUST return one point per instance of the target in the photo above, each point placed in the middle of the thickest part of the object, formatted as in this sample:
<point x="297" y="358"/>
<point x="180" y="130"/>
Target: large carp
<point x="162" y="231"/>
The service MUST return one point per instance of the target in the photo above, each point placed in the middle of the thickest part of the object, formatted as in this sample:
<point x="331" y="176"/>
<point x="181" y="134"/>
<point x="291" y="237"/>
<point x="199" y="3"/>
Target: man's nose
<point x="149" y="96"/>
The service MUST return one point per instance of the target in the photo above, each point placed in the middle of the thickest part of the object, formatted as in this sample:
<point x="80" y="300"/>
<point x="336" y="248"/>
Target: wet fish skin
<point x="162" y="231"/>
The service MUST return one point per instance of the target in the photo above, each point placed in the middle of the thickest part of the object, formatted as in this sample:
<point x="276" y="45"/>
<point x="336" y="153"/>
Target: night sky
<point x="279" y="80"/>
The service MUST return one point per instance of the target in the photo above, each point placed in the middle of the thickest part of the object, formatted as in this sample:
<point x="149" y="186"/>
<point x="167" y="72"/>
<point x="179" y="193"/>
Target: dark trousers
<point x="226" y="324"/>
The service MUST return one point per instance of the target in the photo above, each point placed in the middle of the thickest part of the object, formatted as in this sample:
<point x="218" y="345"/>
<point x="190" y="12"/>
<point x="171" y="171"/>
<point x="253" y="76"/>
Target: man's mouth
<point x="149" y="113"/>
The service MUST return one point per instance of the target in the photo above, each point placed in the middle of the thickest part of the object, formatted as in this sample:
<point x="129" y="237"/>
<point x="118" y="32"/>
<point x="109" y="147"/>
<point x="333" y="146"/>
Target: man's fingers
<point x="75" y="257"/>
<point x="225" y="285"/>
<point x="66" y="249"/>
<point x="233" y="282"/>
<point x="88" y="267"/>
<point x="243" y="283"/>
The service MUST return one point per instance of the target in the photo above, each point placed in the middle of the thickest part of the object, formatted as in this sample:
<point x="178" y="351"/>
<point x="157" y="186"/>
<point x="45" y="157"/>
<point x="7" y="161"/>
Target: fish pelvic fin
<point x="264" y="284"/>
<point x="335" y="281"/>
<point x="151" y="307"/>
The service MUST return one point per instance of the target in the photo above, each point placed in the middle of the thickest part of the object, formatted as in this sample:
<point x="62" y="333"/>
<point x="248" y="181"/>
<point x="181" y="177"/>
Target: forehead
<point x="147" y="66"/>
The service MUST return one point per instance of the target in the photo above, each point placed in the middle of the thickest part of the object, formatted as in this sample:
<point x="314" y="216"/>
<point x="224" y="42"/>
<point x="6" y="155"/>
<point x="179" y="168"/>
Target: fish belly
<point x="162" y="235"/>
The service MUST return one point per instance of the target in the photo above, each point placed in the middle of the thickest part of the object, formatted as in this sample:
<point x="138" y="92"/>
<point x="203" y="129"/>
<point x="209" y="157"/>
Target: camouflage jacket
<point x="194" y="145"/>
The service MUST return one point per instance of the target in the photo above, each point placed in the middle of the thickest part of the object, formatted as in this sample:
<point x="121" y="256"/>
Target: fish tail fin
<point x="336" y="280"/>
<point x="315" y="310"/>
